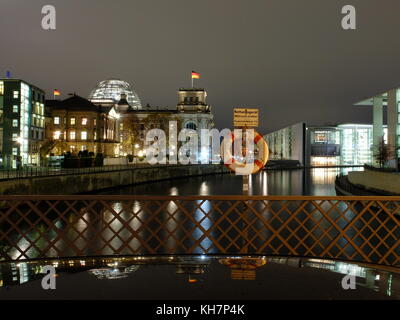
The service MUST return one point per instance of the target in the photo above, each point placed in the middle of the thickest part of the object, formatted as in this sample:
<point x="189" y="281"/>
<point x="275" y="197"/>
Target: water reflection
<point x="318" y="181"/>
<point x="113" y="272"/>
<point x="165" y="277"/>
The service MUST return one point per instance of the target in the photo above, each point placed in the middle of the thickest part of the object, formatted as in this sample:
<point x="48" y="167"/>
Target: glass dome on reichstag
<point x="110" y="91"/>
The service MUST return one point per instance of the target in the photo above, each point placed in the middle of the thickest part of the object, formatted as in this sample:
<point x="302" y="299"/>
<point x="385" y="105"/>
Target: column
<point x="392" y="115"/>
<point x="377" y="130"/>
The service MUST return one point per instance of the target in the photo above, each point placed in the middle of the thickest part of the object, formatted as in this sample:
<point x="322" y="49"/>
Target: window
<point x="1" y="87"/>
<point x="84" y="121"/>
<point x="15" y="123"/>
<point x="94" y="122"/>
<point x="84" y="135"/>
<point x="72" y="135"/>
<point x="121" y="126"/>
<point x="15" y="151"/>
<point x="56" y="120"/>
<point x="16" y="94"/>
<point x="15" y="108"/>
<point x="73" y="121"/>
<point x="191" y="125"/>
<point x="57" y="135"/>
<point x="15" y="136"/>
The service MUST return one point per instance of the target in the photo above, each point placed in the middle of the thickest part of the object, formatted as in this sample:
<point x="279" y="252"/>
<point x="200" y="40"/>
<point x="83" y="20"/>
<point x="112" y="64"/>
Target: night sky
<point x="290" y="58"/>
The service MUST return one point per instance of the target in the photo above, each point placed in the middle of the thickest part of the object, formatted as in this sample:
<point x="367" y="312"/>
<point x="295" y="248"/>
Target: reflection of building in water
<point x="18" y="273"/>
<point x="243" y="268"/>
<point x="194" y="267"/>
<point x="114" y="272"/>
<point x="377" y="280"/>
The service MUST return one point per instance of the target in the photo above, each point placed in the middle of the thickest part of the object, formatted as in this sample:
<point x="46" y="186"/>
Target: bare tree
<point x="383" y="153"/>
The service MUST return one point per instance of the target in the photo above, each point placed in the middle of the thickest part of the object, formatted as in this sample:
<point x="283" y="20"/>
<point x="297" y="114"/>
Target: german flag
<point x="195" y="75"/>
<point x="56" y="92"/>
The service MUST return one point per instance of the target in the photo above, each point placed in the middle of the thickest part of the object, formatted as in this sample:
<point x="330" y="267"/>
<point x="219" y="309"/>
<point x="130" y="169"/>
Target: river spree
<point x="317" y="181"/>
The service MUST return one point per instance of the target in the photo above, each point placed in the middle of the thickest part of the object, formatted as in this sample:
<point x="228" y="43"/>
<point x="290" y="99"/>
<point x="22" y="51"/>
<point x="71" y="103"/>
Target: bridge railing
<point x="33" y="172"/>
<point x="363" y="229"/>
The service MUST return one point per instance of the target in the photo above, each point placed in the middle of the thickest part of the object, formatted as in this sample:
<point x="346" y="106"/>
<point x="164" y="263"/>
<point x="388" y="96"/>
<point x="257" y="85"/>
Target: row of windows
<point x="72" y="135"/>
<point x="34" y="135"/>
<point x="191" y="100"/>
<point x="37" y="96"/>
<point x="72" y="121"/>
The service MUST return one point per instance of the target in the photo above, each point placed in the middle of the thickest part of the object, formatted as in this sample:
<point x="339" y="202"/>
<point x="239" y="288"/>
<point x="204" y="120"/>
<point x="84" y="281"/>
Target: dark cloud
<point x="290" y="58"/>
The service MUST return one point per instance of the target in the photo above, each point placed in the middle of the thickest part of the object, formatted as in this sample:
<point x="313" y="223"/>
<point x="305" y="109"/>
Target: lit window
<point x="15" y="123"/>
<point x="15" y="136"/>
<point x="94" y="122"/>
<point x="73" y="121"/>
<point x="84" y="135"/>
<point x="15" y="151"/>
<point x="56" y="120"/>
<point x="16" y="94"/>
<point x="72" y="135"/>
<point x="1" y="87"/>
<point x="84" y="121"/>
<point x="57" y="135"/>
<point x="121" y="126"/>
<point x="15" y="109"/>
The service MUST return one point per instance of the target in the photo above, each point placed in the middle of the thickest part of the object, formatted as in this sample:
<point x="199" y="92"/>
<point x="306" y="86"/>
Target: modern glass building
<point x="356" y="144"/>
<point x="109" y="92"/>
<point x="345" y="144"/>
<point x="21" y="123"/>
<point x="323" y="146"/>
<point x="287" y="143"/>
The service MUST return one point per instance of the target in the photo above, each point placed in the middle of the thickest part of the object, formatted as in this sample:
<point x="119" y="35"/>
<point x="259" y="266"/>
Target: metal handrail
<point x="362" y="229"/>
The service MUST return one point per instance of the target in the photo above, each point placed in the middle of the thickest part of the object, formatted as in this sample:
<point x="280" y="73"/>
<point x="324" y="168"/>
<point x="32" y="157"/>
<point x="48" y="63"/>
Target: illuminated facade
<point x="22" y="123"/>
<point x="117" y="128"/>
<point x="192" y="112"/>
<point x="76" y="124"/>
<point x="346" y="144"/>
<point x="391" y="100"/>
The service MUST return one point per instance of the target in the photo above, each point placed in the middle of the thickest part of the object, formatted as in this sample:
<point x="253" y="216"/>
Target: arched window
<point x="191" y="125"/>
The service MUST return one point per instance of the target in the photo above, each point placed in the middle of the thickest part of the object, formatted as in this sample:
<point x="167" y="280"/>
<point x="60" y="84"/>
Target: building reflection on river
<point x="317" y="181"/>
<point x="373" y="282"/>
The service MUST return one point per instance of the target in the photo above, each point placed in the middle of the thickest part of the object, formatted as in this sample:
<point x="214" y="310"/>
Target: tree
<point x="383" y="153"/>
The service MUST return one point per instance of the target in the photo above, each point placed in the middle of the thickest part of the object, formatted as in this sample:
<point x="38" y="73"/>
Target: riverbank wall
<point x="89" y="182"/>
<point x="377" y="182"/>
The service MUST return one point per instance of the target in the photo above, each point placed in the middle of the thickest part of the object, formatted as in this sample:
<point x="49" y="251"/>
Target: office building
<point x="22" y="123"/>
<point x="330" y="145"/>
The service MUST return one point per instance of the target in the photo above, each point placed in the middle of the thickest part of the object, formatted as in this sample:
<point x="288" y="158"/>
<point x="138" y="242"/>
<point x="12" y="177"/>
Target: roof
<point x="75" y="103"/>
<point x="21" y="80"/>
<point x="191" y="89"/>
